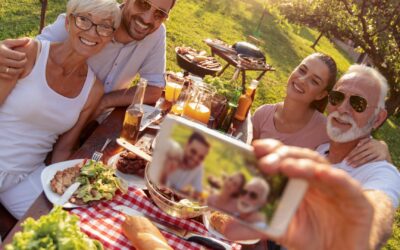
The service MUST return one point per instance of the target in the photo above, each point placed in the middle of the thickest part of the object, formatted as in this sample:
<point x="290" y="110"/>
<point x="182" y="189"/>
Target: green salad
<point x="225" y="88"/>
<point x="56" y="230"/>
<point x="98" y="182"/>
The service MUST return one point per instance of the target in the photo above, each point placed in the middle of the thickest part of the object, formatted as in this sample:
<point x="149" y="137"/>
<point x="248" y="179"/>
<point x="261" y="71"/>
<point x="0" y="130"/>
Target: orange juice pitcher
<point x="198" y="104"/>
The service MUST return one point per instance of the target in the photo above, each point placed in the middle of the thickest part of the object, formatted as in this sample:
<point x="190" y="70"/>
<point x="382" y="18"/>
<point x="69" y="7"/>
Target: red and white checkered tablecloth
<point x="103" y="223"/>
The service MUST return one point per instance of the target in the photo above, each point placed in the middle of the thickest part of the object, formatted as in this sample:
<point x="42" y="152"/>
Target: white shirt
<point x="31" y="119"/>
<point x="181" y="178"/>
<point x="379" y="175"/>
<point x="117" y="64"/>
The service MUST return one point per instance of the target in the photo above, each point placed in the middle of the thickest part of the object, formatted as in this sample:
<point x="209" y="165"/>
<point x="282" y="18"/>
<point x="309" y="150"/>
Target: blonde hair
<point x="375" y="75"/>
<point x="174" y="151"/>
<point x="103" y="8"/>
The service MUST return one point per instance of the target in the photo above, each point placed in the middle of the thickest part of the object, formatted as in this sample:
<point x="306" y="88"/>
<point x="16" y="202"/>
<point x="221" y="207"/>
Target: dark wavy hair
<point x="242" y="182"/>
<point x="320" y="105"/>
<point x="200" y="138"/>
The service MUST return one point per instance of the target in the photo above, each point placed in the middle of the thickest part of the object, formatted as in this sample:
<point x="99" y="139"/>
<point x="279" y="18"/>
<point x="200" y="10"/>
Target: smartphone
<point x="213" y="169"/>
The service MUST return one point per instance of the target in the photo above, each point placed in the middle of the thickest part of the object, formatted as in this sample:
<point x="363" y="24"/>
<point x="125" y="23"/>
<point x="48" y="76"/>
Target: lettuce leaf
<point x="56" y="230"/>
<point x="98" y="182"/>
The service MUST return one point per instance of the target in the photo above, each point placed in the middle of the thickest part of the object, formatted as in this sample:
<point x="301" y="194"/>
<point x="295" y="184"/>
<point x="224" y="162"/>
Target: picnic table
<point x="96" y="223"/>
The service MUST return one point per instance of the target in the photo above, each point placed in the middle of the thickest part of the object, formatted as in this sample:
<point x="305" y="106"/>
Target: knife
<point x="67" y="194"/>
<point x="124" y="143"/>
<point x="181" y="233"/>
<point x="152" y="117"/>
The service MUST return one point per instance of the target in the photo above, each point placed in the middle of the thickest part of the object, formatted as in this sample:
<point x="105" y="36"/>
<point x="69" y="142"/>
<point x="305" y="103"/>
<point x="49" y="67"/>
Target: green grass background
<point x="192" y="21"/>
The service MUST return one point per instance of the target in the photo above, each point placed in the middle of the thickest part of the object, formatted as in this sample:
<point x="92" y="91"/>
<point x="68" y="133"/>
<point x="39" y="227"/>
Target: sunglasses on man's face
<point x="145" y="5"/>
<point x="253" y="195"/>
<point x="358" y="103"/>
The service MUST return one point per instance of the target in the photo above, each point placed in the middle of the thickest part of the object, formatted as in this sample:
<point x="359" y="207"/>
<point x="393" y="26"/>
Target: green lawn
<point x="194" y="20"/>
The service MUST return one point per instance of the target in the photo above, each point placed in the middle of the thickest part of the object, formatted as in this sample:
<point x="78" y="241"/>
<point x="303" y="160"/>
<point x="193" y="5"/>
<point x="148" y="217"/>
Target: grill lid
<point x="248" y="49"/>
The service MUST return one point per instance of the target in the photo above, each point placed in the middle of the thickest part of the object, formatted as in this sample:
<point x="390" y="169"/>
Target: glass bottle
<point x="245" y="101"/>
<point x="134" y="114"/>
<point x="227" y="121"/>
<point x="218" y="106"/>
<point x="253" y="87"/>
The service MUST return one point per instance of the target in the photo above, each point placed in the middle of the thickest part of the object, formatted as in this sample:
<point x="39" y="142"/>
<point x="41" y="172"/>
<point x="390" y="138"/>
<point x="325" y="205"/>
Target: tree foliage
<point x="373" y="25"/>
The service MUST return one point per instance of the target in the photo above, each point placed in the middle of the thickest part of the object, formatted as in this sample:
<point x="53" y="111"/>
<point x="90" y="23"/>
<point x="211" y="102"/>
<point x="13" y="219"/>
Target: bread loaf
<point x="219" y="221"/>
<point x="143" y="234"/>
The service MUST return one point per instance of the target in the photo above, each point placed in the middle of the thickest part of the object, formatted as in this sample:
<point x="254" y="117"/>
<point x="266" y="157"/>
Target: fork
<point x="98" y="154"/>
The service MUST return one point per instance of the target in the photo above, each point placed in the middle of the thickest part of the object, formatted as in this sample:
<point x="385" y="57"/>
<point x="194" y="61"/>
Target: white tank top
<point x="31" y="119"/>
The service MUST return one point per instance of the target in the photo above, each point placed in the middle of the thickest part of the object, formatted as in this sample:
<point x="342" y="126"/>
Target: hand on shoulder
<point x="30" y="49"/>
<point x="369" y="150"/>
<point x="12" y="62"/>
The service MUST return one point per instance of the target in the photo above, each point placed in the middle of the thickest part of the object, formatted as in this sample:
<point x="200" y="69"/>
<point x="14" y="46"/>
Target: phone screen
<point x="214" y="170"/>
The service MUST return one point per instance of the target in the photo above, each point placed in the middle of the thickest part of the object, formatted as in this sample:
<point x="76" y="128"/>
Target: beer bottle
<point x="245" y="101"/>
<point x="227" y="121"/>
<point x="134" y="114"/>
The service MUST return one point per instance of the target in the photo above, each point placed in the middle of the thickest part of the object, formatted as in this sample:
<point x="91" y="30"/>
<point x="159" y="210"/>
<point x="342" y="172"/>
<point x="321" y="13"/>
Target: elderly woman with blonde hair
<point x="173" y="160"/>
<point x="44" y="109"/>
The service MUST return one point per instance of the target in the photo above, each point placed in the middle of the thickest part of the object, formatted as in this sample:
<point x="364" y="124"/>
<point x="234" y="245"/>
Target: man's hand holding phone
<point x="264" y="202"/>
<point x="334" y="214"/>
<point x="262" y="188"/>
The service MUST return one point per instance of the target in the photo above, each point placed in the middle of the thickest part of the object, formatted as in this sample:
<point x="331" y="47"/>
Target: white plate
<point x="213" y="231"/>
<point x="48" y="174"/>
<point x="130" y="179"/>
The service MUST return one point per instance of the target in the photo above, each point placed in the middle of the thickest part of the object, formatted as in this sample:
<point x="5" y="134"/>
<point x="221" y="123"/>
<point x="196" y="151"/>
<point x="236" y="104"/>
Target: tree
<point x="317" y="40"/>
<point x="373" y="26"/>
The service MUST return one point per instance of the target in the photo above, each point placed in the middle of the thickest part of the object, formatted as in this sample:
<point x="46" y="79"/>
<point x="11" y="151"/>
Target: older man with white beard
<point x="356" y="107"/>
<point x="251" y="200"/>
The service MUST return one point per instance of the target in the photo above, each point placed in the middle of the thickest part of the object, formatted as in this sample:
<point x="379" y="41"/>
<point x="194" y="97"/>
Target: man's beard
<point x="336" y="134"/>
<point x="188" y="164"/>
<point x="129" y="25"/>
<point x="245" y="209"/>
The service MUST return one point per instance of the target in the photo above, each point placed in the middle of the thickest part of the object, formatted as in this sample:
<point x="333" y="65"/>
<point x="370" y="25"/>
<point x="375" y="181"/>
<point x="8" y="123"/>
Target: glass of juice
<point x="173" y="88"/>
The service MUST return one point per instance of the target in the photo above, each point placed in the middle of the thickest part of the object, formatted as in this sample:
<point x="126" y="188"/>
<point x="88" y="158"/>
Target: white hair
<point x="265" y="188"/>
<point x="174" y="150"/>
<point x="103" y="8"/>
<point x="373" y="74"/>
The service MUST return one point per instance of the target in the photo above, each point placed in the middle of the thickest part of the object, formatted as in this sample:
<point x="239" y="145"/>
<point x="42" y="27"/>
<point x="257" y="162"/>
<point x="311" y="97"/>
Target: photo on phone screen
<point x="215" y="170"/>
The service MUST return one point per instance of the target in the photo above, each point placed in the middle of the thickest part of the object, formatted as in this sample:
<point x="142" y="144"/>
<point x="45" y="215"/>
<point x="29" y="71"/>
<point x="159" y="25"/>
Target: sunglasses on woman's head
<point x="253" y="195"/>
<point x="145" y="5"/>
<point x="358" y="103"/>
